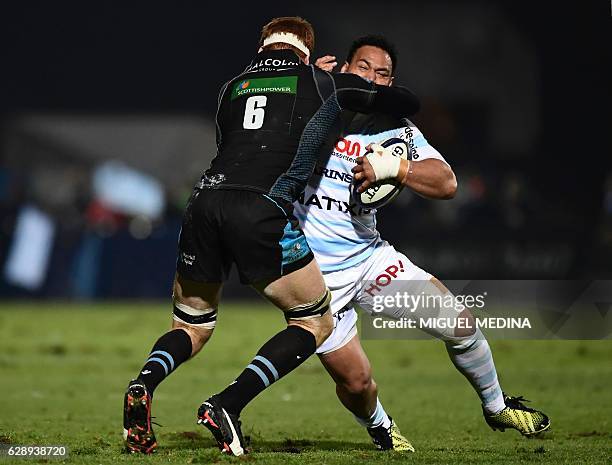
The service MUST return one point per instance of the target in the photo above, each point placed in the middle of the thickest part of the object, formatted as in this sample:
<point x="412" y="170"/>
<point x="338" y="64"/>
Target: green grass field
<point x="64" y="368"/>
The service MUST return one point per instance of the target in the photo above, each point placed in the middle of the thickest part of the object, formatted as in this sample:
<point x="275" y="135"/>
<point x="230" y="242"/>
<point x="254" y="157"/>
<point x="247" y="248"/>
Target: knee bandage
<point x="194" y="317"/>
<point x="314" y="309"/>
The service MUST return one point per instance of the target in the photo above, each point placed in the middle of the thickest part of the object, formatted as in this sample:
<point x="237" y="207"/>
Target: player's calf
<point x="194" y="318"/>
<point x="284" y="352"/>
<point x="168" y="352"/>
<point x="350" y="368"/>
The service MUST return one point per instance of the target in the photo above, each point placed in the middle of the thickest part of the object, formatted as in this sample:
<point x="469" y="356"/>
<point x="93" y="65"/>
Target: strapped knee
<point x="194" y="317"/>
<point x="314" y="309"/>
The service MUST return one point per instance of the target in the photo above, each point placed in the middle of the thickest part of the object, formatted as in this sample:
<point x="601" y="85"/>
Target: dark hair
<point x="374" y="41"/>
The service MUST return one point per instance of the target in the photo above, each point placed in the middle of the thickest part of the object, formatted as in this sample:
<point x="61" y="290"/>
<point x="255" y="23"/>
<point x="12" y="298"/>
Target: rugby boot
<point x="390" y="438"/>
<point x="516" y="415"/>
<point x="137" y="430"/>
<point x="224" y="426"/>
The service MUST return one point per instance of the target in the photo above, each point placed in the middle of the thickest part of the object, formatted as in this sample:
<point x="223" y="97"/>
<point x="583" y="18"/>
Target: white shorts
<point x="350" y="287"/>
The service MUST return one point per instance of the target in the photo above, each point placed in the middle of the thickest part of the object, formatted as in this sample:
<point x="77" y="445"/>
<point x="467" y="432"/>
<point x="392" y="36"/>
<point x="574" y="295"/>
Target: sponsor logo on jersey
<point x="279" y="85"/>
<point x="408" y="136"/>
<point x="324" y="202"/>
<point x="270" y="63"/>
<point x="333" y="174"/>
<point x="350" y="148"/>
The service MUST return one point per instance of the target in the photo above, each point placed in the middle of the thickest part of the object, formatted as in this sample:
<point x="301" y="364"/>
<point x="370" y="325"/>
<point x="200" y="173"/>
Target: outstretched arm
<point x="357" y="94"/>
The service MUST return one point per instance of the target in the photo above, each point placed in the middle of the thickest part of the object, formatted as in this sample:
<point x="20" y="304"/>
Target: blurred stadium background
<point x="107" y="120"/>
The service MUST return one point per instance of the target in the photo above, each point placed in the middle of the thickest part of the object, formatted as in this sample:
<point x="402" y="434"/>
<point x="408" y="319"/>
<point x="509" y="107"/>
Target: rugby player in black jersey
<point x="273" y="121"/>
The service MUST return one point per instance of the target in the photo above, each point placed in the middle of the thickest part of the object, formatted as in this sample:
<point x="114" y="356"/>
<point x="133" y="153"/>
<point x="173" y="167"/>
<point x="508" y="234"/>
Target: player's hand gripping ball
<point x="384" y="191"/>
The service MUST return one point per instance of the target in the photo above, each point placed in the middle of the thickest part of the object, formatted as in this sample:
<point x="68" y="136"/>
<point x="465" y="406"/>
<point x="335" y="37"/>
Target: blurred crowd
<point x="102" y="137"/>
<point x="76" y="226"/>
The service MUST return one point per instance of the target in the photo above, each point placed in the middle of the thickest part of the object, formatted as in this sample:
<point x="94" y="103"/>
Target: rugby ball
<point x="382" y="192"/>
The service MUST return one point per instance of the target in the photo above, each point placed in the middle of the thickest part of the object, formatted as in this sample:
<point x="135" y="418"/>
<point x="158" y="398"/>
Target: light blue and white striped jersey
<point x="340" y="233"/>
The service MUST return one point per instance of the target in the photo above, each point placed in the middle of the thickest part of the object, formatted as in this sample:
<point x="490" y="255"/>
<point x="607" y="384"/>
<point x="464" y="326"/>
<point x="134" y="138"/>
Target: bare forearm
<point x="430" y="178"/>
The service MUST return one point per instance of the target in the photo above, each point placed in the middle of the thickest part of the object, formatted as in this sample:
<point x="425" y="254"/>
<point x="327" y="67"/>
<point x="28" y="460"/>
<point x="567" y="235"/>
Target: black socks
<point x="170" y="350"/>
<point x="280" y="355"/>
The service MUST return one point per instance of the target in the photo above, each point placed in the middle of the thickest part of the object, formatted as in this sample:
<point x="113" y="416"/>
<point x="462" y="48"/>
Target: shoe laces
<point x="379" y="434"/>
<point x="517" y="403"/>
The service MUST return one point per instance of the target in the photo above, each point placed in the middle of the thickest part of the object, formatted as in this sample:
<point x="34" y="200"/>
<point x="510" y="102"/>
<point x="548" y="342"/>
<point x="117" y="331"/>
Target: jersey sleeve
<point x="219" y="135"/>
<point x="420" y="149"/>
<point x="357" y="94"/>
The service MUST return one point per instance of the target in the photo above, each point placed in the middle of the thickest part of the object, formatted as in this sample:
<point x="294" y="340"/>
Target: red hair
<point x="292" y="24"/>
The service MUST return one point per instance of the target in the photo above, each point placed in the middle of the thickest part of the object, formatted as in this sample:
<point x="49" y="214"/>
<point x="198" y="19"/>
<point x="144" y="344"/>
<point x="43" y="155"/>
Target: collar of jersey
<point x="287" y="59"/>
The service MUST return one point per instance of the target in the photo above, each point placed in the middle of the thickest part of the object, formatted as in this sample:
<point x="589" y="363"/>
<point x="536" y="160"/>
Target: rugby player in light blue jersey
<point x="352" y="255"/>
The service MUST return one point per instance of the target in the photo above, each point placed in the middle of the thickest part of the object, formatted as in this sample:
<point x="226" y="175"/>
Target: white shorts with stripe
<point x="350" y="287"/>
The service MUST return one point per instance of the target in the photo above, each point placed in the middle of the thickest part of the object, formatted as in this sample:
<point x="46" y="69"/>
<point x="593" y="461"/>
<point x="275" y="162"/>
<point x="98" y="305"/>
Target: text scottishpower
<point x="285" y="85"/>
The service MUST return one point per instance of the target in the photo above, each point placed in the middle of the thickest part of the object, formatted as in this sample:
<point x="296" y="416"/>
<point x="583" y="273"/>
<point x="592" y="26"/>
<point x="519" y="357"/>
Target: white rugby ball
<point x="382" y="192"/>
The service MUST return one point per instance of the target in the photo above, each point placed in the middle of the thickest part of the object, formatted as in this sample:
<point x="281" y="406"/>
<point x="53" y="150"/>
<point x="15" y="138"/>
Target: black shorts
<point x="253" y="230"/>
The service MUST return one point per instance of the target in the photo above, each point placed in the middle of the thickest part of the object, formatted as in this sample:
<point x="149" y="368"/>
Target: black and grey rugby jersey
<point x="276" y="118"/>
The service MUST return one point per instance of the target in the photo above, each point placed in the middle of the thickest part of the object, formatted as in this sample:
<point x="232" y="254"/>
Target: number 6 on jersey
<point x="254" y="112"/>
